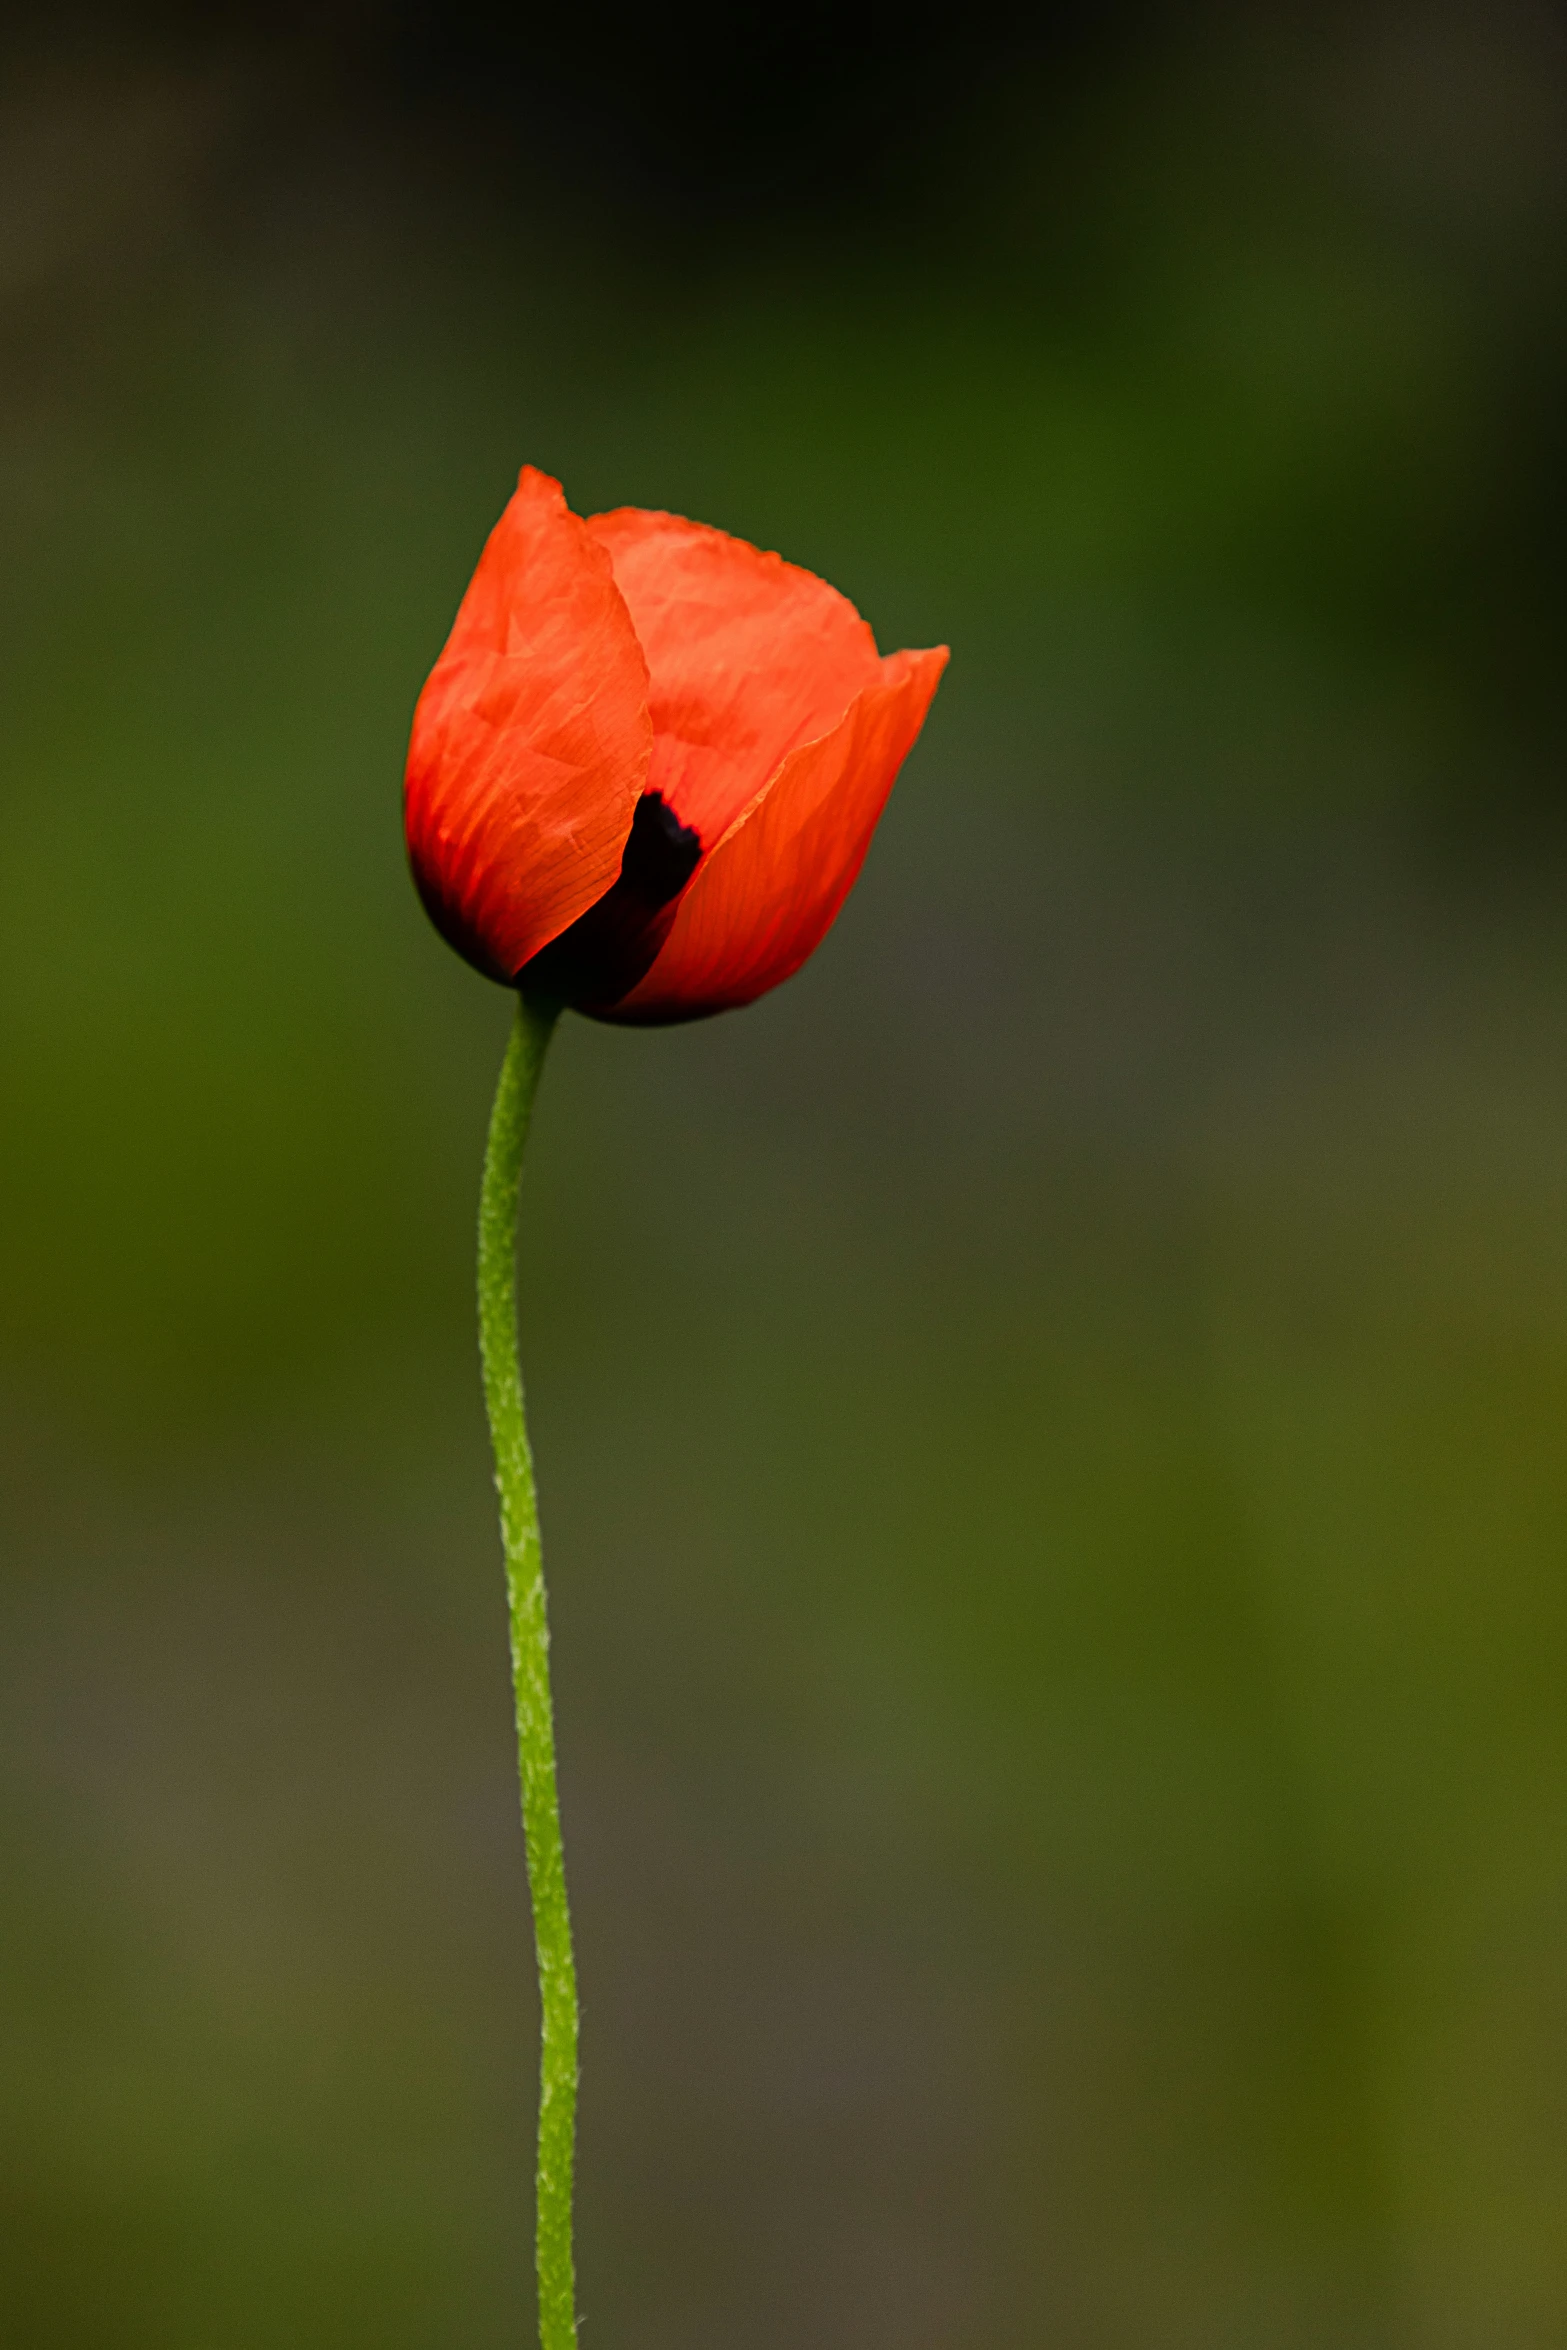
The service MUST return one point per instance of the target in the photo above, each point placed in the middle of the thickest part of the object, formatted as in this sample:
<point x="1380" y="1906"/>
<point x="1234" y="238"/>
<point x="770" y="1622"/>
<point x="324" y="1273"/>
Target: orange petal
<point x="531" y="740"/>
<point x="749" y="657"/>
<point x="770" y="891"/>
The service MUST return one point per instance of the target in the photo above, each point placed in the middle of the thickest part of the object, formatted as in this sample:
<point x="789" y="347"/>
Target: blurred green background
<point x="1051" y="1427"/>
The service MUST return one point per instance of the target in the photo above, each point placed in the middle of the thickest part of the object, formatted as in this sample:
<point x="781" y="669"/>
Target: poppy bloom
<point x="647" y="766"/>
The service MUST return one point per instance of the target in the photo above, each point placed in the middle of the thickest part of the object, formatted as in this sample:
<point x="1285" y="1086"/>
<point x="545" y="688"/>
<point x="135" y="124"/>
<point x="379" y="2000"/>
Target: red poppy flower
<point x="647" y="766"/>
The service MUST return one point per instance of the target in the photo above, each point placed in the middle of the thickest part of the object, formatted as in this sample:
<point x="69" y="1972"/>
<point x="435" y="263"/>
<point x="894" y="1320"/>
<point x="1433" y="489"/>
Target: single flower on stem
<point x="642" y="780"/>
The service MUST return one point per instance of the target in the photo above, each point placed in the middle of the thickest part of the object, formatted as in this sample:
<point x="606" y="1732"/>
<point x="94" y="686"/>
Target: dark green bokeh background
<point x="1053" y="1428"/>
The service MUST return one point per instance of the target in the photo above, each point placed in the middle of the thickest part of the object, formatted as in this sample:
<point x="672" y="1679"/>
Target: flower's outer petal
<point x="767" y="895"/>
<point x="531" y="740"/>
<point x="749" y="657"/>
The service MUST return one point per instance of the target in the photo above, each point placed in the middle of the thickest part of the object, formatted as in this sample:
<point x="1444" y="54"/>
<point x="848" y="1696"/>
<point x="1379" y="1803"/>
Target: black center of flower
<point x="610" y="947"/>
<point x="661" y="853"/>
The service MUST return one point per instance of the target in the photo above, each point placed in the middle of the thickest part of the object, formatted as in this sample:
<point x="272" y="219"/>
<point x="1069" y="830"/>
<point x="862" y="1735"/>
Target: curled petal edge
<point x="767" y="894"/>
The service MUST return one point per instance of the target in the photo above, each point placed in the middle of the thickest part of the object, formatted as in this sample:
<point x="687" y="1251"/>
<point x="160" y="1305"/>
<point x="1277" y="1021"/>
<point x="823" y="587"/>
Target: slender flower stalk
<point x="530" y="1661"/>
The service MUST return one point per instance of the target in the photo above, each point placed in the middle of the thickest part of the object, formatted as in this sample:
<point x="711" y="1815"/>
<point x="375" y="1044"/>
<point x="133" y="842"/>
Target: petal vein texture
<point x="531" y="740"/>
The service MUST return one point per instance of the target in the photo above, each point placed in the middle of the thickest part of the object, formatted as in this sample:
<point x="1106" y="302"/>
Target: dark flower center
<point x="614" y="944"/>
<point x="661" y="853"/>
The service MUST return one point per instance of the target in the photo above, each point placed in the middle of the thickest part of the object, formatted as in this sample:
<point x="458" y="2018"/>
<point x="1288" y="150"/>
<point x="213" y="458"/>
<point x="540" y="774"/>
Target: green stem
<point x="530" y="1663"/>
